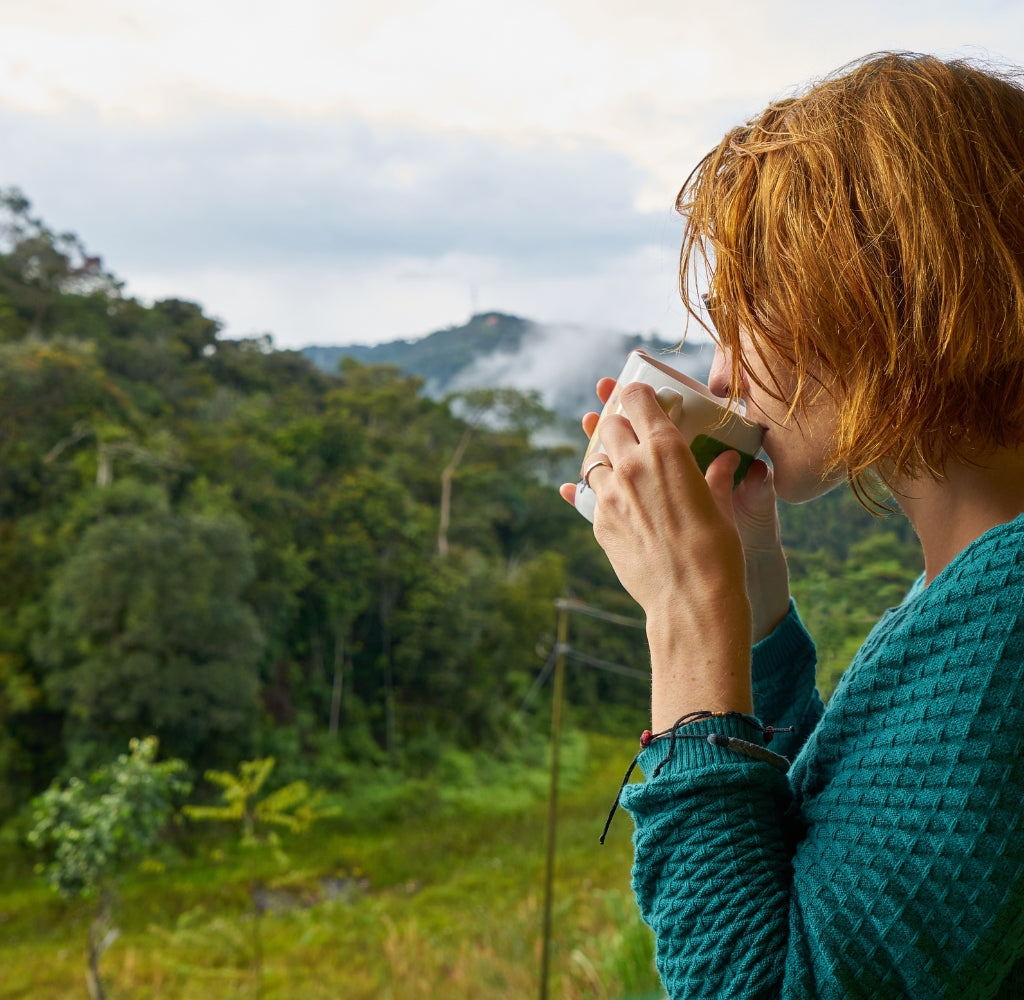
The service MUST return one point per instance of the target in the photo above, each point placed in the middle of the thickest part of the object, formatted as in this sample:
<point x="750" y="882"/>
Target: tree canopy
<point x="212" y="541"/>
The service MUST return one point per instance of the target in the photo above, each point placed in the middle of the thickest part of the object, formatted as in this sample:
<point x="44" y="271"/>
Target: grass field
<point x="441" y="898"/>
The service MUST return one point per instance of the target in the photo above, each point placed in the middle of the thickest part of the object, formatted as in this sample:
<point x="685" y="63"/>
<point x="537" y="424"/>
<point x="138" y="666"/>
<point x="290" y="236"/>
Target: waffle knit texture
<point x="889" y="861"/>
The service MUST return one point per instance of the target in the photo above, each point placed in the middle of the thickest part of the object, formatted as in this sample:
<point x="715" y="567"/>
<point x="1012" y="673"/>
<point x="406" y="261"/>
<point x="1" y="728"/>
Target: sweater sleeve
<point x="785" y="688"/>
<point x="712" y="886"/>
<point x="888" y="895"/>
<point x="889" y="861"/>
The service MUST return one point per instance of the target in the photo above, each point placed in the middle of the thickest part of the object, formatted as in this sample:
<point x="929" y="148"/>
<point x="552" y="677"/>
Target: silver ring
<point x="593" y="465"/>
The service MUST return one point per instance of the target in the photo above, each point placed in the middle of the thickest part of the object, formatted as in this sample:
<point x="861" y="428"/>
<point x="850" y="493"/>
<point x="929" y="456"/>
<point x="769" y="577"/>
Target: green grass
<point x="443" y="899"/>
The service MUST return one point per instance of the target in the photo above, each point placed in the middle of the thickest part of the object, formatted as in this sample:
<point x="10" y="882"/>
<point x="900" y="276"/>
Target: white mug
<point x="709" y="425"/>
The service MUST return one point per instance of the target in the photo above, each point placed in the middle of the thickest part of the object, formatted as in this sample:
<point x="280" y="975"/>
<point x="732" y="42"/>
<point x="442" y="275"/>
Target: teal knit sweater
<point x="889" y="861"/>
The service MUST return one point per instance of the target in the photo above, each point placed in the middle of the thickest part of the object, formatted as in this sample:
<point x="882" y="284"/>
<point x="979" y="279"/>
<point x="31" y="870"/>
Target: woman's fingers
<point x="605" y="387"/>
<point x="646" y="414"/>
<point x="719" y="477"/>
<point x="649" y="425"/>
<point x="617" y="434"/>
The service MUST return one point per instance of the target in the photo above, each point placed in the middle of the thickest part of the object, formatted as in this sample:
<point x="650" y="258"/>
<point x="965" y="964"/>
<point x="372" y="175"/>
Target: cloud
<point x="319" y="302"/>
<point x="563" y="363"/>
<point x="360" y="172"/>
<point x="333" y="228"/>
<point x="235" y="187"/>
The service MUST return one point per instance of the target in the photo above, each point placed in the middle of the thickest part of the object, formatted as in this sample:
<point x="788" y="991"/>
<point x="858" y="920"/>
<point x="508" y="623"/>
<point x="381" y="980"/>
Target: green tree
<point x="38" y="266"/>
<point x="294" y="807"/>
<point x="147" y="627"/>
<point x="507" y="409"/>
<point x="343" y="564"/>
<point x="466" y="643"/>
<point x="46" y="390"/>
<point x="90" y="831"/>
<point x="841" y="600"/>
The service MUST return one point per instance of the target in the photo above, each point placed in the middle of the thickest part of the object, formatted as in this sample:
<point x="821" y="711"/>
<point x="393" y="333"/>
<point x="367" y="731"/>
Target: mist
<point x="563" y="362"/>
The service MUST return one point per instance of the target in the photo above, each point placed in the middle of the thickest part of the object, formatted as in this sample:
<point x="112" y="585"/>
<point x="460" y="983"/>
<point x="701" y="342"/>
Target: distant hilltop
<point x="560" y="362"/>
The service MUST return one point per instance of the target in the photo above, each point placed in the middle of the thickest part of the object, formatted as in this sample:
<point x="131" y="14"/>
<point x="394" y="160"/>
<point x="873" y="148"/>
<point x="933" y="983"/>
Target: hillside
<point x="561" y="363"/>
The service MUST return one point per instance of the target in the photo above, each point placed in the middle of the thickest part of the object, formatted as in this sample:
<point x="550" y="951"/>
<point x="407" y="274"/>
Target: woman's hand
<point x="756" y="517"/>
<point x="672" y="538"/>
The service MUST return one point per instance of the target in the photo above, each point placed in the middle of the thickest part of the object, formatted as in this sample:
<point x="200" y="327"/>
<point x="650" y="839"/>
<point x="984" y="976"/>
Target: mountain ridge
<point x="561" y="362"/>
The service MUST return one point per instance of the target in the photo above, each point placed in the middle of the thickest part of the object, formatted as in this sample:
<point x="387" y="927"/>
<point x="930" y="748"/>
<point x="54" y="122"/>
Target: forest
<point x="279" y="580"/>
<point x="213" y="542"/>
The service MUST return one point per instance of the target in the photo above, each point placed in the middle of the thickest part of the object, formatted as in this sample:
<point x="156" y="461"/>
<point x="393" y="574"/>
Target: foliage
<point x="443" y="903"/>
<point x="293" y="807"/>
<point x="90" y="830"/>
<point x="215" y="542"/>
<point x="147" y="626"/>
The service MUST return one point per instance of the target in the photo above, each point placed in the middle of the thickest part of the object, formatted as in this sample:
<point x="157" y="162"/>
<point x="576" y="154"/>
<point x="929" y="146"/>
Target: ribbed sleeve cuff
<point x="693" y="772"/>
<point x="691" y="750"/>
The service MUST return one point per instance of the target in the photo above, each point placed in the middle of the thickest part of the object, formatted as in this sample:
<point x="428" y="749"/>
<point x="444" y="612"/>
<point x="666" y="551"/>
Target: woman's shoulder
<point x="990" y="569"/>
<point x="996" y="557"/>
<point x="952" y="654"/>
<point x="984" y="581"/>
<point x="970" y="617"/>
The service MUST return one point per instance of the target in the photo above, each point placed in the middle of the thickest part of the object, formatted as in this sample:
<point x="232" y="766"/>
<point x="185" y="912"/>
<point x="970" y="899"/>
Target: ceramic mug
<point x="709" y="425"/>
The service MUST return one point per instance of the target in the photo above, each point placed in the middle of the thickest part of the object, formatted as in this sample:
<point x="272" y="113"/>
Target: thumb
<point x="754" y="505"/>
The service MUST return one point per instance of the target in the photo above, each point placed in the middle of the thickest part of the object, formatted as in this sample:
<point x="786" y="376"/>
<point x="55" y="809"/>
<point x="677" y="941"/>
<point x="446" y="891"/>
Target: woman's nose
<point x="721" y="373"/>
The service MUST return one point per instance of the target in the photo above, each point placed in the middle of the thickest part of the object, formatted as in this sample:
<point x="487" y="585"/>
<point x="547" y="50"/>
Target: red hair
<point x="869" y="235"/>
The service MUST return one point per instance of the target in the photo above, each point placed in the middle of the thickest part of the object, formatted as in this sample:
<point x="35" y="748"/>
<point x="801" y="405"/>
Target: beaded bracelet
<point x="744" y="747"/>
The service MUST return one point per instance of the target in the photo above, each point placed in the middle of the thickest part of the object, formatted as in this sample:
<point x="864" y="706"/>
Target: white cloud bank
<point x="334" y="172"/>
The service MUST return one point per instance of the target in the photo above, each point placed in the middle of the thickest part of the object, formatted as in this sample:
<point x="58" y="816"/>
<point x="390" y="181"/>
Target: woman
<point x="864" y="245"/>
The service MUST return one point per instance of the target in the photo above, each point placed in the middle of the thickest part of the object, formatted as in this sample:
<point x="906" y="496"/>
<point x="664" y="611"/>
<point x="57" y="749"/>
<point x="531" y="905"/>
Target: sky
<point x="359" y="171"/>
